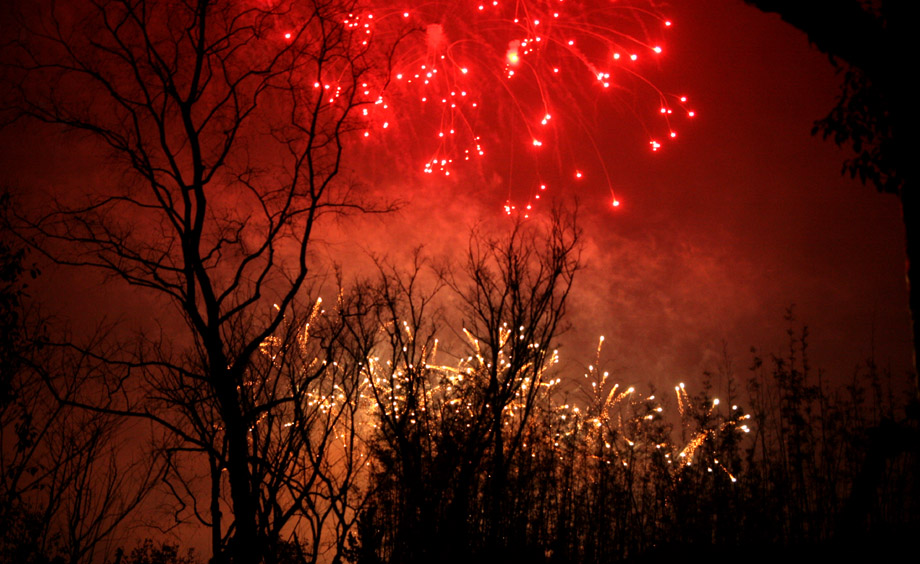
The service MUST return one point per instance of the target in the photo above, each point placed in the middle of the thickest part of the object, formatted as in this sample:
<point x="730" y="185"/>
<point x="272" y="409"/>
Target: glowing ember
<point x="450" y="79"/>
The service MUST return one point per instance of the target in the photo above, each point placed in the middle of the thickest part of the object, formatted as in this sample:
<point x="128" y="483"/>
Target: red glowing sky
<point x="718" y="233"/>
<point x="721" y="231"/>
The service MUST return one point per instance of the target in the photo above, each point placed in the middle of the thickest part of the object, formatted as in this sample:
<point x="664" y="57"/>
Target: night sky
<point x="745" y="215"/>
<point x="718" y="232"/>
<point x="692" y="253"/>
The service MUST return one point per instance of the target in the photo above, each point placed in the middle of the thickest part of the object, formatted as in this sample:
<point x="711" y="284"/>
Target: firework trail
<point x="459" y="81"/>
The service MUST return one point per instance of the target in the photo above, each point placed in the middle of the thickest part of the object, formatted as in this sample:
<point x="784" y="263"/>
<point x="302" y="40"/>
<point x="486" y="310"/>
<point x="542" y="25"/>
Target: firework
<point x="504" y="86"/>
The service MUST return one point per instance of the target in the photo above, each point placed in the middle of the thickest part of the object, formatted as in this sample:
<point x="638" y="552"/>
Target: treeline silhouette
<point x="783" y="460"/>
<point x="424" y="417"/>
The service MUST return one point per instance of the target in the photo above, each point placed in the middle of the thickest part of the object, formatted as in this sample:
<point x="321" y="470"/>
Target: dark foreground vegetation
<point x="780" y="464"/>
<point x="418" y="415"/>
<point x="376" y="442"/>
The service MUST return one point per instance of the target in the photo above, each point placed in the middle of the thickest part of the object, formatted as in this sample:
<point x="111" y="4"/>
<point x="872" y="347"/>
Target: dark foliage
<point x="148" y="553"/>
<point x="781" y="463"/>
<point x="394" y="444"/>
<point x="874" y="113"/>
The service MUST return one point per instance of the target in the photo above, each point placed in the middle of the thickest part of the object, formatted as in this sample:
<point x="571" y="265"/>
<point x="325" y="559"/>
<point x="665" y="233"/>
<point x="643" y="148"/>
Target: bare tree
<point x="227" y="124"/>
<point x="513" y="304"/>
<point x="64" y="488"/>
<point x="449" y="429"/>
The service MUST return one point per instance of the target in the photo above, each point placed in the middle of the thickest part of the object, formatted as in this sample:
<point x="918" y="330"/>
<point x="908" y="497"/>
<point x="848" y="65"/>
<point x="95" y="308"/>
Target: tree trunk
<point x="910" y="207"/>
<point x="244" y="547"/>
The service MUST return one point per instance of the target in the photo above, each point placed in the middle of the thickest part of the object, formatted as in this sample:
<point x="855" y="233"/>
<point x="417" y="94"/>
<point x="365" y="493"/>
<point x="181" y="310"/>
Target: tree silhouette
<point x="447" y="434"/>
<point x="12" y="289"/>
<point x="874" y="113"/>
<point x="226" y="124"/>
<point x="63" y="491"/>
